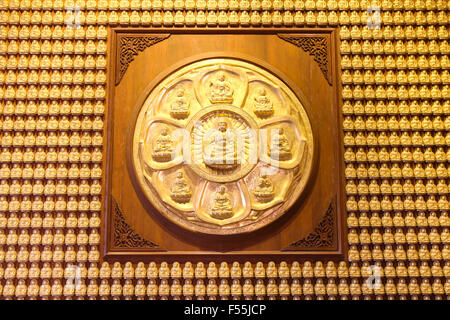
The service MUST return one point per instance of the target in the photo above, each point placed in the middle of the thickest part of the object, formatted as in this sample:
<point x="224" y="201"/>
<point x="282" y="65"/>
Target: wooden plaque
<point x="143" y="219"/>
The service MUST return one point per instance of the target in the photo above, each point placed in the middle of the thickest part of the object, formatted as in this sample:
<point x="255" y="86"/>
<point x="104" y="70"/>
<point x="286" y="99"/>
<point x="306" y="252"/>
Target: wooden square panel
<point x="305" y="60"/>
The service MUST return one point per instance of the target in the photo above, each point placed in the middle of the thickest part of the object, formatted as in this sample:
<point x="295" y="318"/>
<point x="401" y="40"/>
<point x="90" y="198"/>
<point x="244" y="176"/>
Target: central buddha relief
<point x="222" y="146"/>
<point x="221" y="151"/>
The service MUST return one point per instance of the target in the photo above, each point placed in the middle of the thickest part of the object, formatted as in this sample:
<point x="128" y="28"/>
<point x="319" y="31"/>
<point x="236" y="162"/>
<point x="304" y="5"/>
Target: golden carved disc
<point x="221" y="146"/>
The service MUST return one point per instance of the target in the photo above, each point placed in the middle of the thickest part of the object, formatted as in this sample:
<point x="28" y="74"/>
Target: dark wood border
<point x="110" y="253"/>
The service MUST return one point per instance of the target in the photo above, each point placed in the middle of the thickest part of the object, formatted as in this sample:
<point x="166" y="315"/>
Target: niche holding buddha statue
<point x="262" y="106"/>
<point x="162" y="150"/>
<point x="220" y="89"/>
<point x="222" y="205"/>
<point x="179" y="109"/>
<point x="264" y="191"/>
<point x="280" y="148"/>
<point x="180" y="191"/>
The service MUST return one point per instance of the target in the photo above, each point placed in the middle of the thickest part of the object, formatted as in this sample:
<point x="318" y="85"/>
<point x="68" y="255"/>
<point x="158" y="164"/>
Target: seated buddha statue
<point x="262" y="107"/>
<point x="264" y="189"/>
<point x="279" y="147"/>
<point x="220" y="89"/>
<point x="162" y="150"/>
<point x="180" y="191"/>
<point x="221" y="151"/>
<point x="179" y="109"/>
<point x="222" y="208"/>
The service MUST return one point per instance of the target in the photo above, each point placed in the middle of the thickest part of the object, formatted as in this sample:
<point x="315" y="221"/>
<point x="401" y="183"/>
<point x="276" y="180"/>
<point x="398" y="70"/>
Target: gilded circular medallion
<point x="221" y="146"/>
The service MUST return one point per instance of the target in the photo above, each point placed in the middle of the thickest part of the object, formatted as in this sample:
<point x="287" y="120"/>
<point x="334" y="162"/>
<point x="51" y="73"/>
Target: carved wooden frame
<point x="121" y="243"/>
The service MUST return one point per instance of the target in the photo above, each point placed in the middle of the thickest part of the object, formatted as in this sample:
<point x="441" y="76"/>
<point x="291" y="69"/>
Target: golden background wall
<point x="395" y="91"/>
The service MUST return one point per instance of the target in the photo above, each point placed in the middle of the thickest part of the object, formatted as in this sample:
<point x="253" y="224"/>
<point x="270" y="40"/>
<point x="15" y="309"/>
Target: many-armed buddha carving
<point x="222" y="146"/>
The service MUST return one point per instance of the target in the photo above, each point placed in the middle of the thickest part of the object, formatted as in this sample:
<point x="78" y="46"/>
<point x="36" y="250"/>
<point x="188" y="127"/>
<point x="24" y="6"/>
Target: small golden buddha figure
<point x="200" y="271"/>
<point x="224" y="289"/>
<point x="212" y="289"/>
<point x="116" y="271"/>
<point x="272" y="289"/>
<point x="307" y="270"/>
<point x="180" y="192"/>
<point x="433" y="220"/>
<point x="248" y="289"/>
<point x="351" y="188"/>
<point x="279" y="146"/>
<point x="44" y="290"/>
<point x="247" y="271"/>
<point x="353" y="253"/>
<point x="271" y="271"/>
<point x="435" y="252"/>
<point x="264" y="191"/>
<point x="236" y="289"/>
<point x="164" y="289"/>
<point x="413" y="287"/>
<point x="221" y="151"/>
<point x="222" y="207"/>
<point x="9" y="289"/>
<point x="211" y="271"/>
<point x="116" y="289"/>
<point x="179" y="109"/>
<point x="262" y="106"/>
<point x="200" y="290"/>
<point x="398" y="220"/>
<point x="425" y="270"/>
<point x="330" y="270"/>
<point x="188" y="270"/>
<point x="260" y="271"/>
<point x="21" y="290"/>
<point x="343" y="289"/>
<point x="353" y="237"/>
<point x="438" y="288"/>
<point x="152" y="289"/>
<point x="220" y="89"/>
<point x="444" y="220"/>
<point x="424" y="253"/>
<point x="93" y="290"/>
<point x="436" y="269"/>
<point x="283" y="270"/>
<point x="236" y="271"/>
<point x="175" y="289"/>
<point x="308" y="289"/>
<point x="224" y="271"/>
<point x="365" y="253"/>
<point x="33" y="289"/>
<point x="164" y="271"/>
<point x="104" y="289"/>
<point x="354" y="270"/>
<point x="128" y="271"/>
<point x="319" y="271"/>
<point x="377" y="254"/>
<point x="175" y="271"/>
<point x="162" y="150"/>
<point x="295" y="270"/>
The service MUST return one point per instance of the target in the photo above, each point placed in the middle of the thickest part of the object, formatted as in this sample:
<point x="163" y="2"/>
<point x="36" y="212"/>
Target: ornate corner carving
<point x="130" y="46"/>
<point x="322" y="236"/>
<point x="317" y="46"/>
<point x="124" y="236"/>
